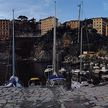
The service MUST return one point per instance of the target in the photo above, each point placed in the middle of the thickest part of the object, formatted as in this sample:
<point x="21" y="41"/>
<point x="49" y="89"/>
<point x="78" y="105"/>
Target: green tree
<point x="22" y="18"/>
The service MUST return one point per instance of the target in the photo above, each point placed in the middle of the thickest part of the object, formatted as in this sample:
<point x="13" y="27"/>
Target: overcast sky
<point x="66" y="9"/>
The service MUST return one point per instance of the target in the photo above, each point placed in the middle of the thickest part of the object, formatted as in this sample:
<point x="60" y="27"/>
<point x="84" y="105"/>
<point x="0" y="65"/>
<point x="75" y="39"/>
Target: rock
<point x="3" y="101"/>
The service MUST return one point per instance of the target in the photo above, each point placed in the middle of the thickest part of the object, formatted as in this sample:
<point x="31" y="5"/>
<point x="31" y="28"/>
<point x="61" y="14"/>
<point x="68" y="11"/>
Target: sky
<point x="65" y="9"/>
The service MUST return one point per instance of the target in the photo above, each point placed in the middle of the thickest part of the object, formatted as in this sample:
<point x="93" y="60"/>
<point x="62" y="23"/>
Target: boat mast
<point x="81" y="44"/>
<point x="54" y="42"/>
<point x="79" y="22"/>
<point x="81" y="50"/>
<point x="13" y="48"/>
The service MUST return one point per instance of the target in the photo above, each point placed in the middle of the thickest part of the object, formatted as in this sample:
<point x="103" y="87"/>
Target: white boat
<point x="104" y="69"/>
<point x="48" y="69"/>
<point x="62" y="70"/>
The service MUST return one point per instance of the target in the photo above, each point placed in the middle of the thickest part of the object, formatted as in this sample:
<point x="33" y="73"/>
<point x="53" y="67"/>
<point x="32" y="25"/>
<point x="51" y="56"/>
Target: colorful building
<point x="73" y="24"/>
<point x="100" y="24"/>
<point x="47" y="24"/>
<point x="4" y="29"/>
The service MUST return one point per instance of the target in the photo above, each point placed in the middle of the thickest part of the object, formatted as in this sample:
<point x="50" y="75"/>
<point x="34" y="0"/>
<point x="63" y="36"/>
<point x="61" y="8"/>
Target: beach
<point x="54" y="97"/>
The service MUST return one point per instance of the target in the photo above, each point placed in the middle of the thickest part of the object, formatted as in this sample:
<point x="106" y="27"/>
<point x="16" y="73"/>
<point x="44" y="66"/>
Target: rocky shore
<point x="54" y="97"/>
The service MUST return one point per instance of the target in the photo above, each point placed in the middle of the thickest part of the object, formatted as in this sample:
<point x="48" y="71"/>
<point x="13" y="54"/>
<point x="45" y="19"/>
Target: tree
<point x="102" y="53"/>
<point x="23" y="18"/>
<point x="33" y="20"/>
<point x="32" y="25"/>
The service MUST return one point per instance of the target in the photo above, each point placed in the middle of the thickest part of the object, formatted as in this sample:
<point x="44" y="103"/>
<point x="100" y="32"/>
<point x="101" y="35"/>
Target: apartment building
<point x="72" y="24"/>
<point x="107" y="30"/>
<point x="47" y="24"/>
<point x="100" y="24"/>
<point x="4" y="29"/>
